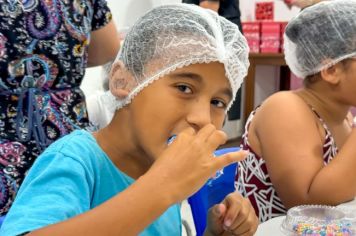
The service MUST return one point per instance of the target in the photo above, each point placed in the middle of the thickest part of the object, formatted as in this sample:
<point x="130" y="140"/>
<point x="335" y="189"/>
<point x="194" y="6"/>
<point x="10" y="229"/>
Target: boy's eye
<point x="219" y="103"/>
<point x="184" y="88"/>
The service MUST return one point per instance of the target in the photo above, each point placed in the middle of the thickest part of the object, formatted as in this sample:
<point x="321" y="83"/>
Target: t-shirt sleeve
<point x="102" y="14"/>
<point x="56" y="188"/>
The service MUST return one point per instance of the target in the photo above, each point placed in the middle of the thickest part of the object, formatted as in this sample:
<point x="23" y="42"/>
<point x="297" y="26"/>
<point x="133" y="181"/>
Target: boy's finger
<point x="188" y="131"/>
<point x="216" y="217"/>
<point x="216" y="139"/>
<point x="248" y="226"/>
<point x="205" y="132"/>
<point x="233" y="206"/>
<point x="241" y="224"/>
<point x="218" y="211"/>
<point x="230" y="158"/>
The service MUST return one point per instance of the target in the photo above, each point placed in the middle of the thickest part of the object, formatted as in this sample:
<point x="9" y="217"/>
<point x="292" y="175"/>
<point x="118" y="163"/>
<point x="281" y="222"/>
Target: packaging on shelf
<point x="252" y="33"/>
<point x="264" y="11"/>
<point x="264" y="36"/>
<point x="270" y="37"/>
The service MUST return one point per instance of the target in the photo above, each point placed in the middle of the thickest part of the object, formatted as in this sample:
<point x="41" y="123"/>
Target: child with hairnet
<point x="302" y="143"/>
<point x="175" y="76"/>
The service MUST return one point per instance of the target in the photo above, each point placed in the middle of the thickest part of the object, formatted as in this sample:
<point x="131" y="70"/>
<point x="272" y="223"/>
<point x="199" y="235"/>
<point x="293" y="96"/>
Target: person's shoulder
<point x="285" y="106"/>
<point x="75" y="145"/>
<point x="284" y="100"/>
<point x="76" y="137"/>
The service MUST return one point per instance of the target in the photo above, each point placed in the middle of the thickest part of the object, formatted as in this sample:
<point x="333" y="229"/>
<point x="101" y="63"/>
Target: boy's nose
<point x="199" y="115"/>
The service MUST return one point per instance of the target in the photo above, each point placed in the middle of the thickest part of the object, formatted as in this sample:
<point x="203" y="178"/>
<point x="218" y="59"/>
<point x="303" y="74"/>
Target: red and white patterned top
<point x="253" y="179"/>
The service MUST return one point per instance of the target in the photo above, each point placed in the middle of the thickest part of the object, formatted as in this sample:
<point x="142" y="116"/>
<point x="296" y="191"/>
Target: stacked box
<point x="265" y="36"/>
<point x="270" y="37"/>
<point x="251" y="31"/>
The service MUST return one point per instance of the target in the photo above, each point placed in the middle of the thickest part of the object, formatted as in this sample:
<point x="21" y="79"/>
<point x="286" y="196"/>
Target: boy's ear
<point x="121" y="81"/>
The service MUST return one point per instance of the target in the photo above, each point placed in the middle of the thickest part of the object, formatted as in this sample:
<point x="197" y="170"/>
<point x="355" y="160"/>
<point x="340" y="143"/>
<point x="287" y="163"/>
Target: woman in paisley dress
<point x="45" y="46"/>
<point x="301" y="143"/>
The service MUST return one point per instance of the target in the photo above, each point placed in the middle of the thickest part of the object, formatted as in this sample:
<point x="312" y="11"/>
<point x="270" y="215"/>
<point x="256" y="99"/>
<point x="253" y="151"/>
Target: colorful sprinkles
<point x="332" y="229"/>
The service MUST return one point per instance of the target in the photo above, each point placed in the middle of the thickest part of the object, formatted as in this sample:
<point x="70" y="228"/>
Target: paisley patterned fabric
<point x="43" y="55"/>
<point x="253" y="180"/>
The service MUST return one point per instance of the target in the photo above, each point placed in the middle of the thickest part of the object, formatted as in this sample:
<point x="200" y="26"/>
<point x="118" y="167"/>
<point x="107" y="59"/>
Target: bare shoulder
<point x="283" y="118"/>
<point x="284" y="107"/>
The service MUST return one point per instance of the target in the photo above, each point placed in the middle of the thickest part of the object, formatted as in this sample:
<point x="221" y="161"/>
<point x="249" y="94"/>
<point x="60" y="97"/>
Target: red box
<point x="272" y="26"/>
<point x="264" y="11"/>
<point x="252" y="33"/>
<point x="252" y="26"/>
<point x="254" y="45"/>
<point x="251" y="30"/>
<point x="264" y="36"/>
<point x="283" y="29"/>
<point x="270" y="37"/>
<point x="270" y="46"/>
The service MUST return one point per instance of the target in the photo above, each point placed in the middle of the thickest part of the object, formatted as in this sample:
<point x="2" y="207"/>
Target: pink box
<point x="271" y="27"/>
<point x="252" y="34"/>
<point x="270" y="46"/>
<point x="270" y="35"/>
<point x="252" y="26"/>
<point x="254" y="46"/>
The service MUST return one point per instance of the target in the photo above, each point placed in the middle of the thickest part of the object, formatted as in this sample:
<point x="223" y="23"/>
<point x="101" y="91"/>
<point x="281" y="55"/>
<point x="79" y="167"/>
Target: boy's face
<point x="194" y="96"/>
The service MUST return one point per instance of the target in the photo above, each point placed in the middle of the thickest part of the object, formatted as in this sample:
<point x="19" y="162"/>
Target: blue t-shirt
<point x="73" y="176"/>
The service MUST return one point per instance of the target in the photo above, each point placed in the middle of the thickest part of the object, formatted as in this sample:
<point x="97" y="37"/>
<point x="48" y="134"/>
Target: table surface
<point x="273" y="226"/>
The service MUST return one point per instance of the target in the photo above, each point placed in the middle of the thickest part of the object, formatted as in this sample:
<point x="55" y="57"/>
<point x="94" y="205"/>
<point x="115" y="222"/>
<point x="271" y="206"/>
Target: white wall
<point x="126" y="12"/>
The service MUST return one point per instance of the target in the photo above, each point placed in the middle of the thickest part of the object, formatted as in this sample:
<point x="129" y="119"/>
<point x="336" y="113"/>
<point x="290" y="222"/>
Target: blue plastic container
<point x="212" y="193"/>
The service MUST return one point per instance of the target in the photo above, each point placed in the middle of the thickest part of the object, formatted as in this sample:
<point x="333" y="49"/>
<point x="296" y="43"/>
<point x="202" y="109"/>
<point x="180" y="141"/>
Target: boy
<point x="176" y="74"/>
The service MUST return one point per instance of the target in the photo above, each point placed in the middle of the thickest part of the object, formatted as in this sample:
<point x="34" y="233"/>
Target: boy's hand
<point x="234" y="216"/>
<point x="186" y="164"/>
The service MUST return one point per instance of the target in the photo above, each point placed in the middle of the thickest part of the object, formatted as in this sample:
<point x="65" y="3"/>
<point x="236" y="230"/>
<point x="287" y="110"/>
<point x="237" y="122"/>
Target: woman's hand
<point x="234" y="216"/>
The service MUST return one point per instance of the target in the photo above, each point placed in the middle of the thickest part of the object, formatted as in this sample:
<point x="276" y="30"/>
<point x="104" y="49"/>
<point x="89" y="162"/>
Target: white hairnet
<point x="173" y="36"/>
<point x="321" y="36"/>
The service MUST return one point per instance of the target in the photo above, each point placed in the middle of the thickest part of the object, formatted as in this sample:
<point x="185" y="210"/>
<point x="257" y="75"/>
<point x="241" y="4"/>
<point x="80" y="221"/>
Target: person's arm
<point x="128" y="213"/>
<point x="182" y="168"/>
<point x="60" y="188"/>
<point x="301" y="3"/>
<point x="210" y="4"/>
<point x="291" y="142"/>
<point x="104" y="45"/>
